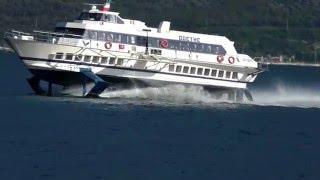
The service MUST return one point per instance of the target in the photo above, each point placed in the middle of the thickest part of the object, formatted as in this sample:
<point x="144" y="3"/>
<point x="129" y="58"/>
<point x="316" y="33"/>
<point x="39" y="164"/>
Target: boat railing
<point x="45" y="36"/>
<point x="73" y="40"/>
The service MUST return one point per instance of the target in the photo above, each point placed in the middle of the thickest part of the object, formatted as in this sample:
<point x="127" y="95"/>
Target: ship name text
<point x="189" y="39"/>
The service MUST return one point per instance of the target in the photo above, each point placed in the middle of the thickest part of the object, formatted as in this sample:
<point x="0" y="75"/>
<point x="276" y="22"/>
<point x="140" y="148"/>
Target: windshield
<point x="90" y="16"/>
<point x="75" y="31"/>
<point x="100" y="17"/>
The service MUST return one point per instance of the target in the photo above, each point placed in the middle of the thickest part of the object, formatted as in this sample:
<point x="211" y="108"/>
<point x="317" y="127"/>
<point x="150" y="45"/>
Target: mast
<point x="107" y="6"/>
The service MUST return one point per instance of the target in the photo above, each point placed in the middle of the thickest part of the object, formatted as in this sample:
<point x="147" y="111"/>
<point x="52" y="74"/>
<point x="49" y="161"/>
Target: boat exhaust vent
<point x="164" y="27"/>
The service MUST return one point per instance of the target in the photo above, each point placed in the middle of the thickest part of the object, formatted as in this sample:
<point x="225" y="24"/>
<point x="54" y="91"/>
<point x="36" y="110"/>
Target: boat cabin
<point x="109" y="17"/>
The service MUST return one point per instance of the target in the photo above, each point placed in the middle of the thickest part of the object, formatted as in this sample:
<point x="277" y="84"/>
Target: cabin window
<point x="200" y="48"/>
<point x="200" y="71"/>
<point x="153" y="42"/>
<point x="208" y="49"/>
<point x="178" y="69"/>
<point x="216" y="50"/>
<point x="90" y="16"/>
<point x="193" y="70"/>
<point x="221" y="74"/>
<point x="87" y="58"/>
<point x="120" y="62"/>
<point x="112" y="61"/>
<point x="235" y="75"/>
<point x="92" y="35"/>
<point x="197" y="47"/>
<point x="110" y="18"/>
<point x="207" y="72"/>
<point x="220" y="50"/>
<point x="104" y="60"/>
<point x="95" y="59"/>
<point x="214" y="73"/>
<point x="172" y="44"/>
<point x="69" y="57"/>
<point x="184" y="46"/>
<point x="228" y="75"/>
<point x="75" y="31"/>
<point x="117" y="38"/>
<point x="185" y="69"/>
<point x="101" y="36"/>
<point x="191" y="46"/>
<point x="119" y="20"/>
<point x="157" y="43"/>
<point x="171" y="68"/>
<point x="141" y="41"/>
<point x="124" y="39"/>
<point x="133" y="39"/>
<point x="78" y="57"/>
<point x="59" y="56"/>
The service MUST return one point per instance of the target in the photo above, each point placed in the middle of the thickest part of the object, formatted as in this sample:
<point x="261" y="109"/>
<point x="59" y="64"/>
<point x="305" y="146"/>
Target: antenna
<point x="92" y="4"/>
<point x="106" y="6"/>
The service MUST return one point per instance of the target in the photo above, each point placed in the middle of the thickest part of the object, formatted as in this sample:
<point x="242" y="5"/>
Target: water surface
<point x="167" y="133"/>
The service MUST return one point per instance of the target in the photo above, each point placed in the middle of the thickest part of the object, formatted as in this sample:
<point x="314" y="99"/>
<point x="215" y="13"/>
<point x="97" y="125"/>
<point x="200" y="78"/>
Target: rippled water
<point x="162" y="133"/>
<point x="178" y="95"/>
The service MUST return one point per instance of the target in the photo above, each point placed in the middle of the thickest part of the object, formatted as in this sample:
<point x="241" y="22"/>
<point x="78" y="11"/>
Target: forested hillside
<point x="259" y="27"/>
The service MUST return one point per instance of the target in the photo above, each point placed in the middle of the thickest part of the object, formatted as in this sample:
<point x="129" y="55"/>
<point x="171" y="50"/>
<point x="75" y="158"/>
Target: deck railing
<point x="73" y="40"/>
<point x="43" y="36"/>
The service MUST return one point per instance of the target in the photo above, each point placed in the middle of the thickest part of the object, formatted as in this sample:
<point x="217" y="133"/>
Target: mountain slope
<point x="260" y="27"/>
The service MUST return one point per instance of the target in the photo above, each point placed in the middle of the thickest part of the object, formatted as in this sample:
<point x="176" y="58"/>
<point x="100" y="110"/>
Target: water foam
<point x="287" y="96"/>
<point x="282" y="95"/>
<point x="173" y="94"/>
<point x="178" y="95"/>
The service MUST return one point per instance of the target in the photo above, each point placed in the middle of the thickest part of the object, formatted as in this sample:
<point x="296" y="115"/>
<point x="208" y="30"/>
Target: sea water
<point x="173" y="132"/>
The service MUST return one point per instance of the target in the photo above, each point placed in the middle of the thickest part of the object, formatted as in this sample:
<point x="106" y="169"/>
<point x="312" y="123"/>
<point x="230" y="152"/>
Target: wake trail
<point x="282" y="95"/>
<point x="288" y="96"/>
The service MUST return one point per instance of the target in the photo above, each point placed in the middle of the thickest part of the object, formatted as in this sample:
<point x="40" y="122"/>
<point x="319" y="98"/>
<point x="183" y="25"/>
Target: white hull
<point x="40" y="55"/>
<point x="149" y="77"/>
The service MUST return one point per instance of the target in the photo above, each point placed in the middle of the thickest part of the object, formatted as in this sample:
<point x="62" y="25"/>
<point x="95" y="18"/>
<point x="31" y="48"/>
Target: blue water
<point x="162" y="133"/>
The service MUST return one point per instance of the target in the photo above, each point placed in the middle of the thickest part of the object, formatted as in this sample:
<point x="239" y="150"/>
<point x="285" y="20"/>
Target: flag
<point x="106" y="7"/>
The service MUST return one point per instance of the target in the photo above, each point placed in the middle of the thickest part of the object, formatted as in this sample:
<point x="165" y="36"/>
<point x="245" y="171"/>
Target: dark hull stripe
<point x="122" y="68"/>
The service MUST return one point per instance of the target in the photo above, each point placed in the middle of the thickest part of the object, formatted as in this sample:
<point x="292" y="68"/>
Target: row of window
<point x="89" y="59"/>
<point x="203" y="72"/>
<point x="172" y="68"/>
<point x="142" y="41"/>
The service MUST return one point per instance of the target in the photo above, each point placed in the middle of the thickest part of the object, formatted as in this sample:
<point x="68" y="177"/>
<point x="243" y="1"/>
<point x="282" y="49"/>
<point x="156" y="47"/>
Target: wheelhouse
<point x="67" y="30"/>
<point x="101" y="16"/>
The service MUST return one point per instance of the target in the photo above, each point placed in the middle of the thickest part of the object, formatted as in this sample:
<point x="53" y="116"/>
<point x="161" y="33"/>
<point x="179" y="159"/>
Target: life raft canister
<point x="164" y="43"/>
<point x="220" y="58"/>
<point x="231" y="60"/>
